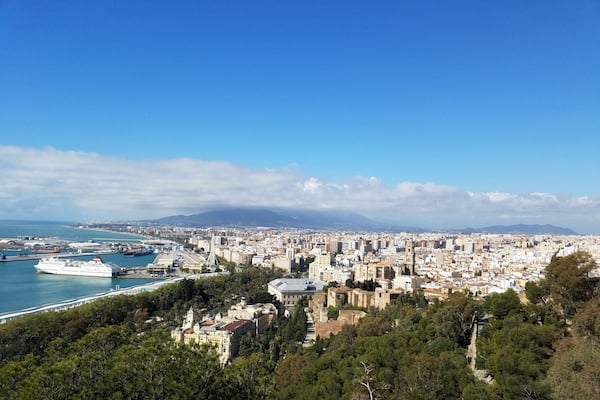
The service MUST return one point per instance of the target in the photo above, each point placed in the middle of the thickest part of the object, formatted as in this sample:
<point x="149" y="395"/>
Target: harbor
<point x="22" y="288"/>
<point x="164" y="264"/>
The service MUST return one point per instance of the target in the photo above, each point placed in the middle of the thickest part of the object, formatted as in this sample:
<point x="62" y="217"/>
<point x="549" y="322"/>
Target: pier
<point x="37" y="256"/>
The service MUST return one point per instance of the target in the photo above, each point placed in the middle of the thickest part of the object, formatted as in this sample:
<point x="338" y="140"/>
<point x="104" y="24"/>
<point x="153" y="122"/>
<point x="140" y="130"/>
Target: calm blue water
<point x="21" y="287"/>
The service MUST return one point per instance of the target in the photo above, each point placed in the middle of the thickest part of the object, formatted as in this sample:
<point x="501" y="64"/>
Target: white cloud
<point x="311" y="185"/>
<point x="494" y="197"/>
<point x="53" y="184"/>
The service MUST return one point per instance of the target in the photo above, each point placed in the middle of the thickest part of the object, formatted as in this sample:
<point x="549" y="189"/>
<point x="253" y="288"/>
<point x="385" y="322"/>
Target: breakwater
<point x="37" y="256"/>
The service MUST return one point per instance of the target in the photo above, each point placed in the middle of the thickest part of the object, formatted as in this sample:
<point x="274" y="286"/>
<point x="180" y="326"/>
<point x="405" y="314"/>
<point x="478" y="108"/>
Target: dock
<point x="180" y="258"/>
<point x="37" y="256"/>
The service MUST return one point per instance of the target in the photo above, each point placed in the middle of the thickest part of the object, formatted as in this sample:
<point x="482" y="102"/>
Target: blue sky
<point x="436" y="114"/>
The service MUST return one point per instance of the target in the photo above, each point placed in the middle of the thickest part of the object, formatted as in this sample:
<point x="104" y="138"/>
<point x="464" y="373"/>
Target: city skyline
<point x="430" y="115"/>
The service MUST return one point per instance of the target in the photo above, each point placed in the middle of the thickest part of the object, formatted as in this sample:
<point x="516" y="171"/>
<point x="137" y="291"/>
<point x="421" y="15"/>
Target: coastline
<point x="78" y="301"/>
<point x="23" y="288"/>
<point x="75" y="302"/>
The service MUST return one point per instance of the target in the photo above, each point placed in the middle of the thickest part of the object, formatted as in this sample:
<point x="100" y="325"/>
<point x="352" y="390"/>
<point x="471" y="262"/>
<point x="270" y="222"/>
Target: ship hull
<point x="93" y="268"/>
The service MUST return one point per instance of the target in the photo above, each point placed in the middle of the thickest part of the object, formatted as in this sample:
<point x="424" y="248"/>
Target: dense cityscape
<point x="479" y="264"/>
<point x="263" y="300"/>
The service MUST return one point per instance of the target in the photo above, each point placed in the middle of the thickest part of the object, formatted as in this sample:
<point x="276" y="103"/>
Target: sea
<point x="21" y="287"/>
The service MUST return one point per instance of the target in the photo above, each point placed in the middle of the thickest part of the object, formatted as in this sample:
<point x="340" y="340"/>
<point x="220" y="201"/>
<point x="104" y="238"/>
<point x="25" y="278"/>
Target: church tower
<point x="410" y="257"/>
<point x="188" y="321"/>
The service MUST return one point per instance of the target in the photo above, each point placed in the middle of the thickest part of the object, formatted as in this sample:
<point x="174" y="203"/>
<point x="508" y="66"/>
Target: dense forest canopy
<point x="544" y="346"/>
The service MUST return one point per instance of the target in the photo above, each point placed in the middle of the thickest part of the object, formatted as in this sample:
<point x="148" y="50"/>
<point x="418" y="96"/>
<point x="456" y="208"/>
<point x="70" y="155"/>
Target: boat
<point x="95" y="267"/>
<point x="46" y="250"/>
<point x="138" y="252"/>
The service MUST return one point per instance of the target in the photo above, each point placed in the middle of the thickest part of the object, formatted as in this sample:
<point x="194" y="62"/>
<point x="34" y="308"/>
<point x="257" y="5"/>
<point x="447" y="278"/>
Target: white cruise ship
<point x="94" y="267"/>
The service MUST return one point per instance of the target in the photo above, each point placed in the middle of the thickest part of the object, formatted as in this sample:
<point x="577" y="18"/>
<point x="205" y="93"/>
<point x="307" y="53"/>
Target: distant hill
<point x="299" y="219"/>
<point x="330" y="220"/>
<point x="521" y="229"/>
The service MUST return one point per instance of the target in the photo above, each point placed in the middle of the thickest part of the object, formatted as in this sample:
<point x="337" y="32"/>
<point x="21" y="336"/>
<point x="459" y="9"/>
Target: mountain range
<point x="334" y="220"/>
<point x="521" y="228"/>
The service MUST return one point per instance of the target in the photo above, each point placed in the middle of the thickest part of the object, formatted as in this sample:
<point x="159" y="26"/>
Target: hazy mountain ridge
<point x="530" y="229"/>
<point x="330" y="220"/>
<point x="299" y="219"/>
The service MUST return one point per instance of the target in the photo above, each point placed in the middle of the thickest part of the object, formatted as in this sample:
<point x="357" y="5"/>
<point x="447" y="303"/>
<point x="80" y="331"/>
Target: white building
<point x="223" y="334"/>
<point x="288" y="291"/>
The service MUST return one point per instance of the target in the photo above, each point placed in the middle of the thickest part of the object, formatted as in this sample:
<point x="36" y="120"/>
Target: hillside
<point x="284" y="218"/>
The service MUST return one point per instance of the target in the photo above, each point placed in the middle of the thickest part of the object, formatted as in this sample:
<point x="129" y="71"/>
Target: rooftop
<point x="297" y="285"/>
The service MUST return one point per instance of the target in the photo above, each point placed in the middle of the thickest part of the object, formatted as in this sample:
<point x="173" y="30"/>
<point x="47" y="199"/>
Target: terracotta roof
<point x="233" y="326"/>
